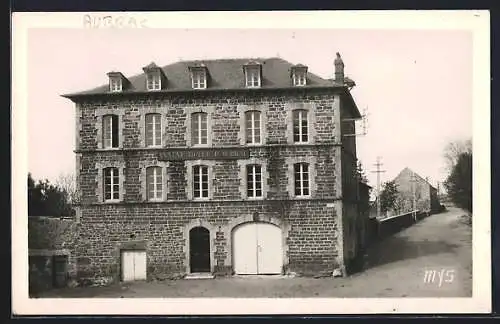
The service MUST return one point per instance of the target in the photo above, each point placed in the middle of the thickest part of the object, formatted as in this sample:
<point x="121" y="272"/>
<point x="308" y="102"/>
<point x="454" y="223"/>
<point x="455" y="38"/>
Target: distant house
<point x="409" y="184"/>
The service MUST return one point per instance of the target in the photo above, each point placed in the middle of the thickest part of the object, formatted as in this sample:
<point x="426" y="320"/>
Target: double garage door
<point x="257" y="249"/>
<point x="133" y="264"/>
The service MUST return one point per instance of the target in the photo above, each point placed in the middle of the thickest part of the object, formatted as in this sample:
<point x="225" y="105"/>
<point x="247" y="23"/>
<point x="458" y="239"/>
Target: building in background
<point x="229" y="166"/>
<point x="411" y="185"/>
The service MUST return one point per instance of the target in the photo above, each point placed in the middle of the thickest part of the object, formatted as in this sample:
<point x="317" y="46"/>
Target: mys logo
<point x="439" y="276"/>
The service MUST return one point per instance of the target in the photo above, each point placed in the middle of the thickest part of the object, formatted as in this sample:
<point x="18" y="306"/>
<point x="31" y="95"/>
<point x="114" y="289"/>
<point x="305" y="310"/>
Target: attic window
<point x="153" y="81"/>
<point x="252" y="76"/>
<point x="115" y="84"/>
<point x="199" y="78"/>
<point x="299" y="78"/>
<point x="299" y="75"/>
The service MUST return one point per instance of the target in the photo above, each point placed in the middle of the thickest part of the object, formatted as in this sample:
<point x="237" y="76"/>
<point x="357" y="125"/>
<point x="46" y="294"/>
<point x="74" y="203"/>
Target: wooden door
<point x="269" y="249"/>
<point x="245" y="249"/>
<point x="199" y="250"/>
<point x="257" y="249"/>
<point x="134" y="264"/>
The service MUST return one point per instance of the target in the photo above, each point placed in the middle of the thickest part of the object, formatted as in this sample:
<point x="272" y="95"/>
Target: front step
<point x="199" y="276"/>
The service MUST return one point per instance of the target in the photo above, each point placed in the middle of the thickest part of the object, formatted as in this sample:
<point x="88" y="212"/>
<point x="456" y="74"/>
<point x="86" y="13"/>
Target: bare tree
<point x="453" y="150"/>
<point x="67" y="182"/>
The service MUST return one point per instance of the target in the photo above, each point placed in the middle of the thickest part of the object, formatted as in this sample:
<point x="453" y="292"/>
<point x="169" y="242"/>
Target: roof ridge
<point x="229" y="59"/>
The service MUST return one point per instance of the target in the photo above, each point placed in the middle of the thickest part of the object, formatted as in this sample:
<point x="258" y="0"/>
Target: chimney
<point x="339" y="70"/>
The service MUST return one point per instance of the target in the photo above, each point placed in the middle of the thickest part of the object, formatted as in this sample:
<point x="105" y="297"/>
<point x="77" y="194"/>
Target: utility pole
<point x="378" y="171"/>
<point x="413" y="181"/>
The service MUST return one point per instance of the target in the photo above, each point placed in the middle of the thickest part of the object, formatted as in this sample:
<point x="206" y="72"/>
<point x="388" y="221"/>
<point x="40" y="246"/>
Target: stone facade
<point x="318" y="231"/>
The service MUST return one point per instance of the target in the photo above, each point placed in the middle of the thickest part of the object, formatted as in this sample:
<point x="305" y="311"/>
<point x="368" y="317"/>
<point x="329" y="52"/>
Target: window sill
<point x="302" y="197"/>
<point x="200" y="145"/>
<point x="110" y="148"/>
<point x="200" y="199"/>
<point x="112" y="201"/>
<point x="255" y="198"/>
<point x="155" y="200"/>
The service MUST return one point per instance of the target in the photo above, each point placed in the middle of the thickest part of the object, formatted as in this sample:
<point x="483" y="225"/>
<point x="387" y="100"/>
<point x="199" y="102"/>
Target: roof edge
<point x="72" y="96"/>
<point x="356" y="112"/>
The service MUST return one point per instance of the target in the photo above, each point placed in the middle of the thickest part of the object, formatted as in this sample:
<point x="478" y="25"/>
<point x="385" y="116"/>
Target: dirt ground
<point x="395" y="267"/>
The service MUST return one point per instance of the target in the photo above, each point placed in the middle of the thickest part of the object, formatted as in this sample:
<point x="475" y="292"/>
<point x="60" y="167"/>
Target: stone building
<point x="228" y="166"/>
<point x="426" y="197"/>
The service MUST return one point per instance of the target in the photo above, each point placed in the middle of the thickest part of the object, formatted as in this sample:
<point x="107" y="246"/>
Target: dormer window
<point x="299" y="75"/>
<point x="116" y="81"/>
<point x="198" y="76"/>
<point x="253" y="77"/>
<point x="299" y="79"/>
<point x="199" y="79"/>
<point x="115" y="84"/>
<point x="252" y="74"/>
<point x="153" y="81"/>
<point x="154" y="77"/>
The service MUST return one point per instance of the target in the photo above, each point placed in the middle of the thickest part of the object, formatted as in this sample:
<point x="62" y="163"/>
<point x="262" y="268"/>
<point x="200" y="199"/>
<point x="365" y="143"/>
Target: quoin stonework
<point x="224" y="167"/>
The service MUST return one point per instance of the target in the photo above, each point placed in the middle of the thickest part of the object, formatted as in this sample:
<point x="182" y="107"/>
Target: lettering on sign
<point x="204" y="154"/>
<point x="100" y="21"/>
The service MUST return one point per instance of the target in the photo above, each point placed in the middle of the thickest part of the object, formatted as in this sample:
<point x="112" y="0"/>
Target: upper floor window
<point x="111" y="184"/>
<point x="154" y="183"/>
<point x="299" y="78"/>
<point x="153" y="130"/>
<point x="253" y="127"/>
<point x="153" y="81"/>
<point x="115" y="84"/>
<point x="300" y="126"/>
<point x="301" y="179"/>
<point x="199" y="79"/>
<point x="199" y="129"/>
<point x="200" y="181"/>
<point x="110" y="134"/>
<point x="252" y="76"/>
<point x="254" y="181"/>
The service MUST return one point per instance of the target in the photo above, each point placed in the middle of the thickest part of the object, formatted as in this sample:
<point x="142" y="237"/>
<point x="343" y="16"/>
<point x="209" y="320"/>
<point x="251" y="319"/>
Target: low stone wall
<point x="391" y="225"/>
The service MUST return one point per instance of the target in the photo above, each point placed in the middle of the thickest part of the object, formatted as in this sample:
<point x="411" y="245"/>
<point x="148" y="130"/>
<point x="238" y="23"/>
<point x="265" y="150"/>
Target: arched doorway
<point x="257" y="249"/>
<point x="199" y="249"/>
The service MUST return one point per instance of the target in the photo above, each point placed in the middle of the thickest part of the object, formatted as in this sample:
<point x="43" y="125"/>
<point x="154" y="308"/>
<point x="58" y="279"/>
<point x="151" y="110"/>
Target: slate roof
<point x="223" y="74"/>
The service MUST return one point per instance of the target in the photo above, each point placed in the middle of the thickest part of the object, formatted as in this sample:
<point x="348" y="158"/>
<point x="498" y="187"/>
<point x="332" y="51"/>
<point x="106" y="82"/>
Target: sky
<point x="416" y="85"/>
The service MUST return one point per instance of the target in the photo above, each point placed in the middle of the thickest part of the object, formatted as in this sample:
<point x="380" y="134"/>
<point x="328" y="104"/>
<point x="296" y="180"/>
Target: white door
<point x="133" y="265"/>
<point x="140" y="265"/>
<point x="270" y="252"/>
<point x="245" y="250"/>
<point x="257" y="249"/>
